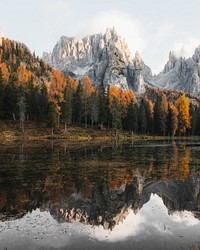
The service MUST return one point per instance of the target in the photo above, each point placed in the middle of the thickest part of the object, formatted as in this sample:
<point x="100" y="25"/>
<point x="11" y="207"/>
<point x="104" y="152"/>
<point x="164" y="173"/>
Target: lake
<point x="137" y="195"/>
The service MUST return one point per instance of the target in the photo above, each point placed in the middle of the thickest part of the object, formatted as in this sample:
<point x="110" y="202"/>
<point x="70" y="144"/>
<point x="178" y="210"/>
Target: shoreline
<point x="9" y="131"/>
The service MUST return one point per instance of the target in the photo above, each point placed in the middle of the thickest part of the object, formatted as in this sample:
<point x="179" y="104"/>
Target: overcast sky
<point x="153" y="27"/>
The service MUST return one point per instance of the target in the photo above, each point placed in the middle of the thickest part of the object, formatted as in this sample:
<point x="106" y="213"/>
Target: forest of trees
<point x="31" y="90"/>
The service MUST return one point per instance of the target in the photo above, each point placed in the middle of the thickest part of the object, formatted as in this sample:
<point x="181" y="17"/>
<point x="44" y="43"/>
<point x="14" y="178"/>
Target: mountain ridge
<point x="105" y="58"/>
<point x="180" y="73"/>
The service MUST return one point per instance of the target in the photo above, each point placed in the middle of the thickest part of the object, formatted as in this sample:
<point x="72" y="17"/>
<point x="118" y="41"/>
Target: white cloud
<point x="186" y="47"/>
<point x="163" y="32"/>
<point x="127" y="27"/>
<point x="59" y="5"/>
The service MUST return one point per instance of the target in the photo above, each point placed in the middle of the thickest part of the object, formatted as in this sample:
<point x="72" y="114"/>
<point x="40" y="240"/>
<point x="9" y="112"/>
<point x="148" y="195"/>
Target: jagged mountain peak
<point x="172" y="55"/>
<point x="138" y="56"/>
<point x="180" y="73"/>
<point x="196" y="56"/>
<point x="105" y="58"/>
<point x="111" y="33"/>
<point x="171" y="62"/>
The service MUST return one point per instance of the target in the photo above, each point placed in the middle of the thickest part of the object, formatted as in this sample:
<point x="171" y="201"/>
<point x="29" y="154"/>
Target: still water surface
<point x="141" y="195"/>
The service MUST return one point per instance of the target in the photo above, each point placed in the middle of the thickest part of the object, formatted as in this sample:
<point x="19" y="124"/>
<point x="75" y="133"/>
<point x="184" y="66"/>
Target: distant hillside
<point x="25" y="77"/>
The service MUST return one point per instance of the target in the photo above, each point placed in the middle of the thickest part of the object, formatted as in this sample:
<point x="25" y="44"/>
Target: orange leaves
<point x="58" y="79"/>
<point x="57" y="84"/>
<point x="88" y="88"/>
<point x="23" y="75"/>
<point x="164" y="104"/>
<point x="5" y="72"/>
<point x="124" y="97"/>
<point x="151" y="106"/>
<point x="71" y="84"/>
<point x="113" y="92"/>
<point x="184" y="113"/>
<point x="175" y="110"/>
<point x="129" y="95"/>
<point x="56" y="88"/>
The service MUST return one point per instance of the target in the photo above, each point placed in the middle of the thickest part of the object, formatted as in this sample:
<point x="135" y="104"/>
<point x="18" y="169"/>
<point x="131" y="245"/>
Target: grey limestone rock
<point x="180" y="73"/>
<point x="105" y="58"/>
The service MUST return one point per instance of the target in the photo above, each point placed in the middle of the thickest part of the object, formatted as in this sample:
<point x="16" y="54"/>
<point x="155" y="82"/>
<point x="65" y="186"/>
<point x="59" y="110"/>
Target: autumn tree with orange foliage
<point x="120" y="103"/>
<point x="113" y="92"/>
<point x="115" y="101"/>
<point x="56" y="95"/>
<point x="124" y="97"/>
<point x="184" y="114"/>
<point x="5" y="72"/>
<point x="23" y="75"/>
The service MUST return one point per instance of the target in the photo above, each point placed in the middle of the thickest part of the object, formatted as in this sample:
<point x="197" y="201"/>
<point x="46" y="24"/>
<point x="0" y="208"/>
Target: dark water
<point x="141" y="195"/>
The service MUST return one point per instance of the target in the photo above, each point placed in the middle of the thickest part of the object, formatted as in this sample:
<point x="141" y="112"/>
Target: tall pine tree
<point x="78" y="104"/>
<point x="67" y="107"/>
<point x="142" y="117"/>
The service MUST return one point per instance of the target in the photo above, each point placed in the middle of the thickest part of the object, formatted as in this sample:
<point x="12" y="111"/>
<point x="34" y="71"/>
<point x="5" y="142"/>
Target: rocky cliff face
<point x="105" y="58"/>
<point x="182" y="74"/>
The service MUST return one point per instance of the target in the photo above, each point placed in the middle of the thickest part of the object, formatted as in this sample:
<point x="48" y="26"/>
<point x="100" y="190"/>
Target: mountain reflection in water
<point x="141" y="189"/>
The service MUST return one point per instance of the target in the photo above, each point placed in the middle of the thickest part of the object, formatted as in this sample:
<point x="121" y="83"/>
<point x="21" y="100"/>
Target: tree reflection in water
<point x="96" y="184"/>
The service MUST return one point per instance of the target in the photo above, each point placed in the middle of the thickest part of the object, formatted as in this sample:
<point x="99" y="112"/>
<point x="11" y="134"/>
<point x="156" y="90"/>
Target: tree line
<point x="32" y="90"/>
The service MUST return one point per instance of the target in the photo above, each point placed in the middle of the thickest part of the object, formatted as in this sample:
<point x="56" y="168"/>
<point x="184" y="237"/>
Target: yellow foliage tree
<point x="184" y="114"/>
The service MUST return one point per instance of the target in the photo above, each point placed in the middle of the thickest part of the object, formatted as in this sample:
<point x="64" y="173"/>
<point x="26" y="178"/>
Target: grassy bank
<point x="9" y="130"/>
